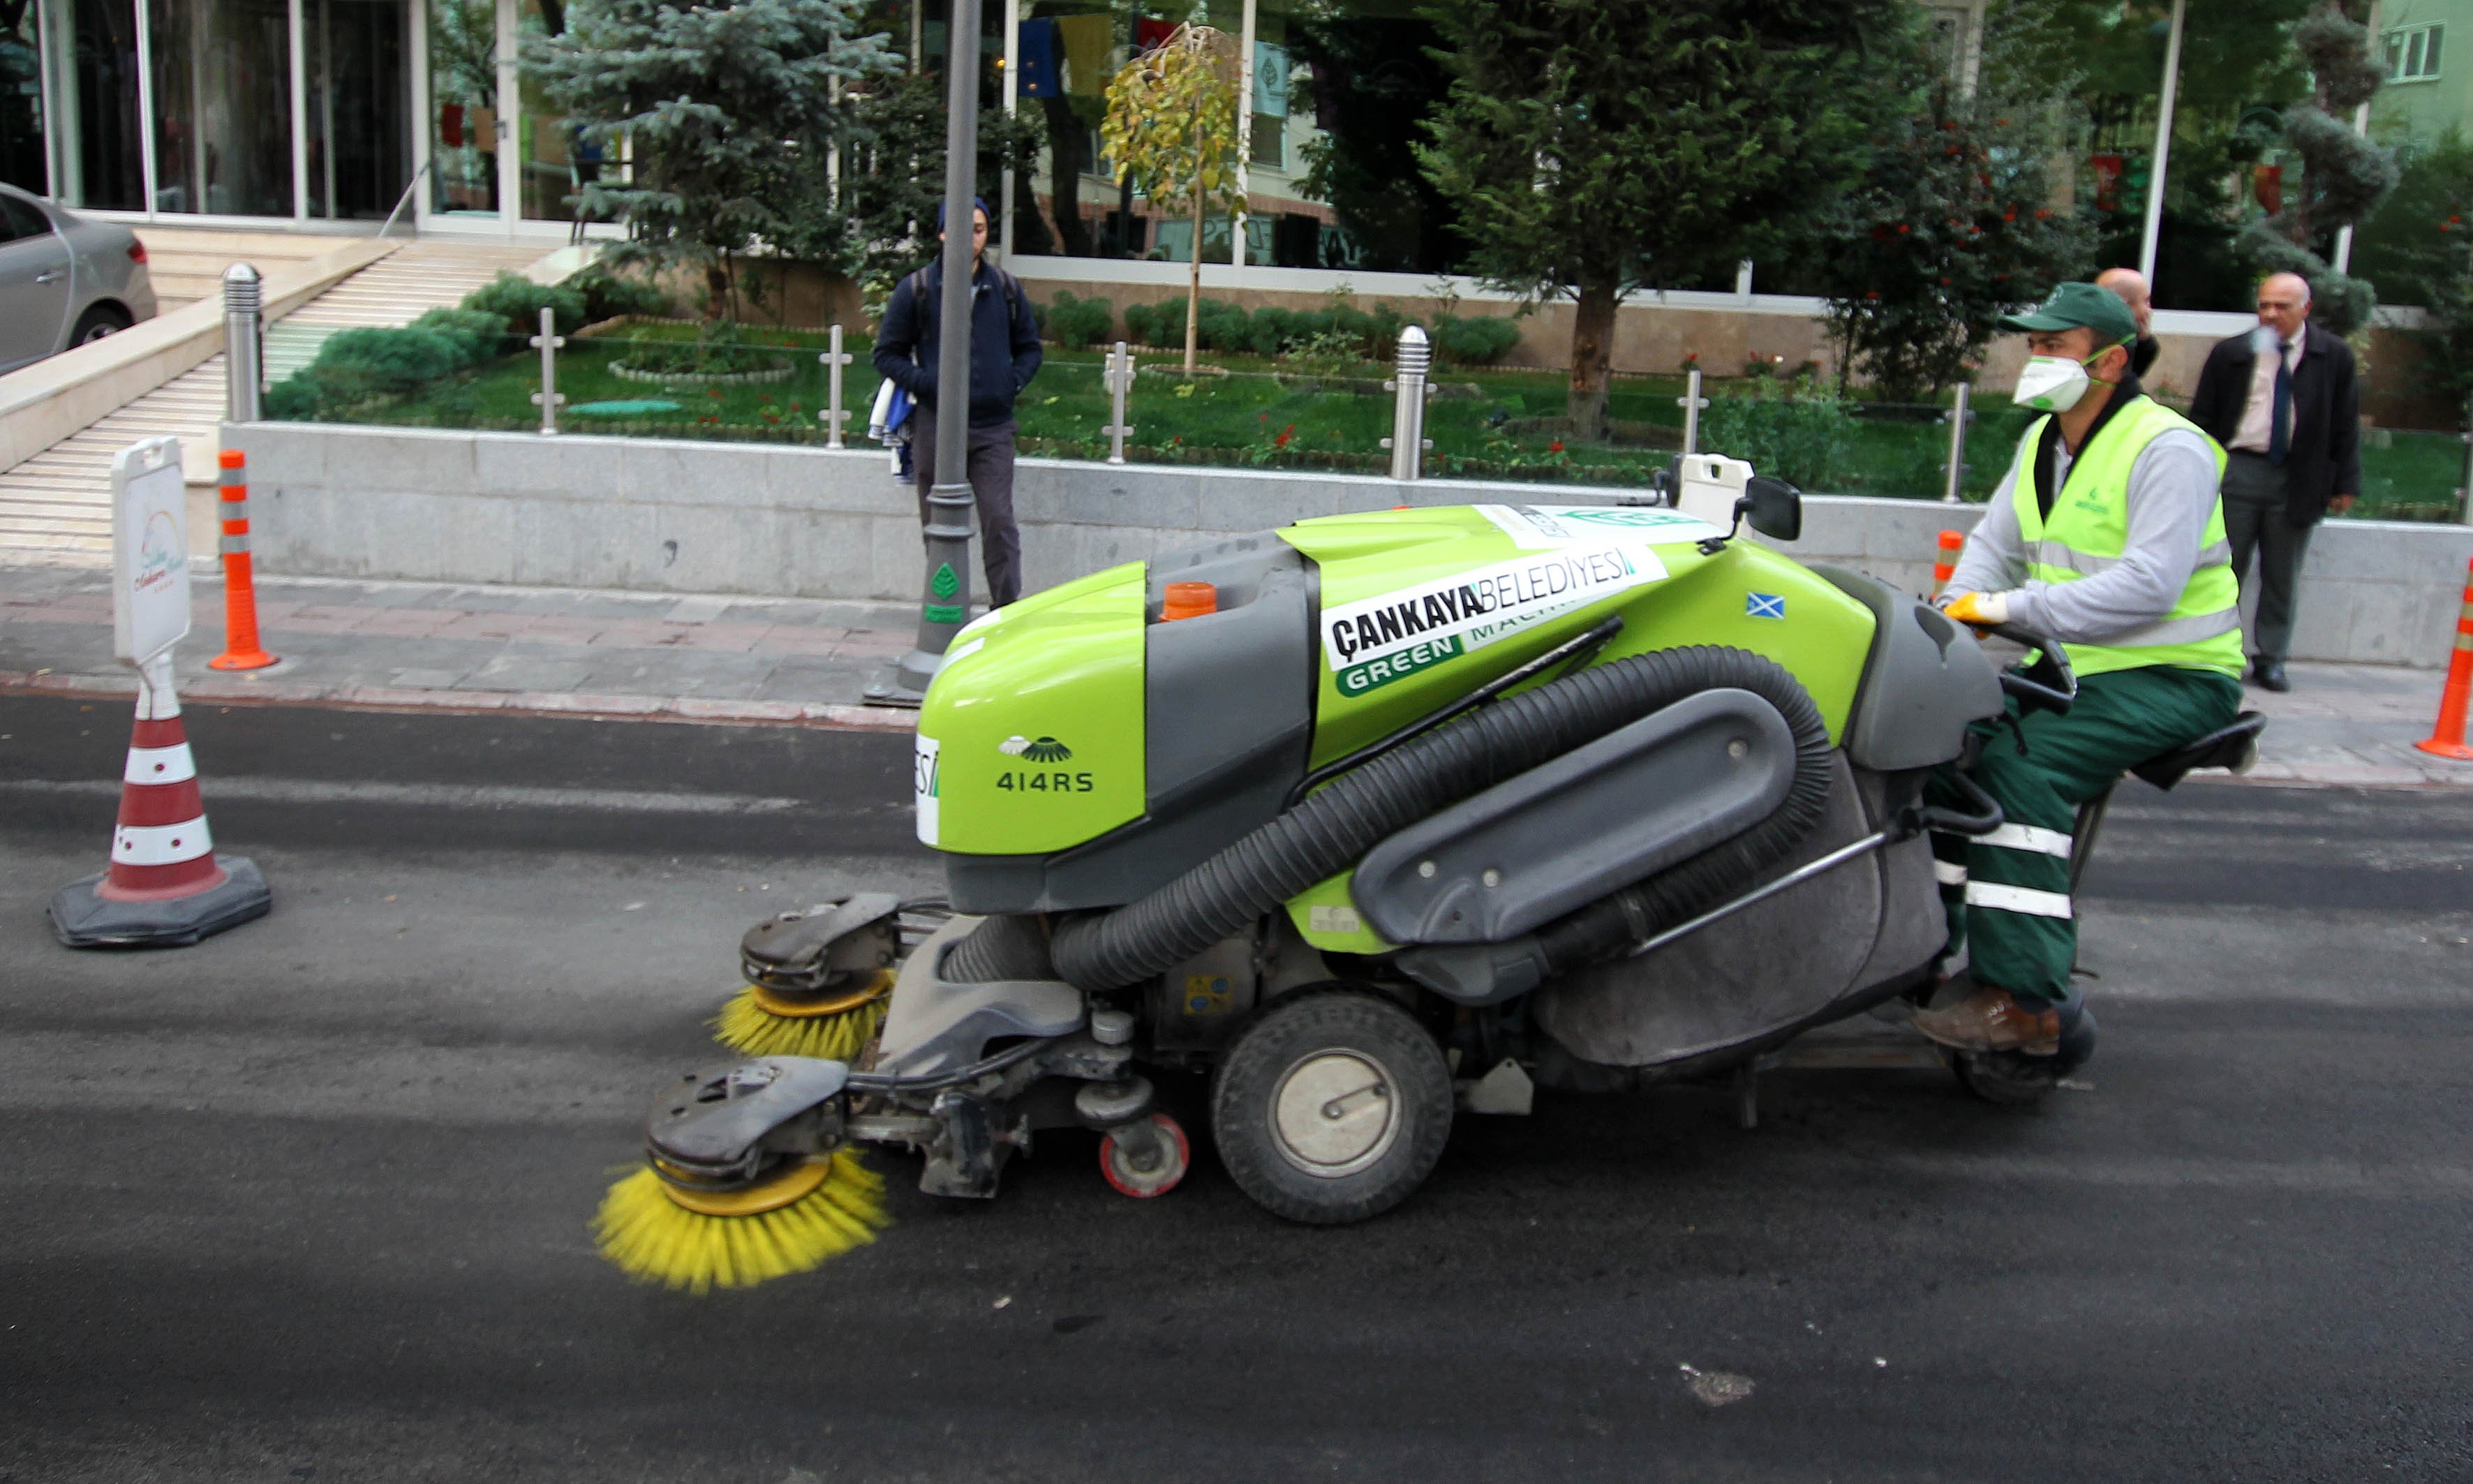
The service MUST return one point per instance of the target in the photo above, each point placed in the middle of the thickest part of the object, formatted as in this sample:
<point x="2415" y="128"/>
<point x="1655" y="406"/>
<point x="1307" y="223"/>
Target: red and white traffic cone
<point x="164" y="887"/>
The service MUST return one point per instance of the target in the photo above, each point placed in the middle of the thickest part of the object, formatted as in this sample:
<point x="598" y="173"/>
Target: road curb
<point x="833" y="716"/>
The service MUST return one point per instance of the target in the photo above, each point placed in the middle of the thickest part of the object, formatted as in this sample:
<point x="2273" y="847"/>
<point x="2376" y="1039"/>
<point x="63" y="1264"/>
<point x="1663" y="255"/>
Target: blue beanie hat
<point x="978" y="202"/>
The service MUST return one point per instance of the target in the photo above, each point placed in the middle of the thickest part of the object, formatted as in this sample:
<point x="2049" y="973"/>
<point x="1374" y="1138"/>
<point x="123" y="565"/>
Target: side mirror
<point x="1774" y="507"/>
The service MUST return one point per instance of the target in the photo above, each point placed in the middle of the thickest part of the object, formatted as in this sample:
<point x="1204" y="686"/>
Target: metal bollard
<point x="1693" y="404"/>
<point x="1119" y="379"/>
<point x="1407" y="442"/>
<point x="1959" y="417"/>
<point x="2464" y="494"/>
<point x="548" y="398"/>
<point x="244" y="344"/>
<point x="833" y="417"/>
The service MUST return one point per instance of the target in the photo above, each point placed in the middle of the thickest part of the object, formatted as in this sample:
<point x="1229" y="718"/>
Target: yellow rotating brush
<point x="766" y="1022"/>
<point x="812" y="1211"/>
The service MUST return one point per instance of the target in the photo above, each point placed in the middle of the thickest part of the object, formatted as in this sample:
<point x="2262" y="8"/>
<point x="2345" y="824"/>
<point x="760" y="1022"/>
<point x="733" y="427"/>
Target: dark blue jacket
<point x="1004" y="339"/>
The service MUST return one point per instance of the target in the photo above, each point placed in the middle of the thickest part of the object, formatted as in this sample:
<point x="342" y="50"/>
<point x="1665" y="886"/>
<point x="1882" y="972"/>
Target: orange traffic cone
<point x="2447" y="737"/>
<point x="164" y="887"/>
<point x="241" y="651"/>
<point x="1946" y="562"/>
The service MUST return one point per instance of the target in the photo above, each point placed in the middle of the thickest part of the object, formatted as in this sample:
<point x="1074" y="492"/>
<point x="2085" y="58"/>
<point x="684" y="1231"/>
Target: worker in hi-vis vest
<point x="2107" y="536"/>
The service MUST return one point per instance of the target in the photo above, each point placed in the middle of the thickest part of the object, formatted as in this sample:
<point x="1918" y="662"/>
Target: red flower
<point x="2041" y="212"/>
<point x="1556" y="447"/>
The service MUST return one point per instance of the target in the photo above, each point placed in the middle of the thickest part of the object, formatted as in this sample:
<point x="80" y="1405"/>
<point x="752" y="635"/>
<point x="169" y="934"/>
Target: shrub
<point x="1479" y="342"/>
<point x="720" y="348"/>
<point x="1271" y="333"/>
<point x="360" y="366"/>
<point x="1789" y="429"/>
<point x="478" y="335"/>
<point x="1161" y="325"/>
<point x="1079" y="322"/>
<point x="519" y="301"/>
<point x="1382" y="327"/>
<point x="606" y="295"/>
<point x="1221" y="328"/>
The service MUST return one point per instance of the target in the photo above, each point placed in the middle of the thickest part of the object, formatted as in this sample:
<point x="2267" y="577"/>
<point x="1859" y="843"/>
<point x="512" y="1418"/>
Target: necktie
<point x="2280" y="430"/>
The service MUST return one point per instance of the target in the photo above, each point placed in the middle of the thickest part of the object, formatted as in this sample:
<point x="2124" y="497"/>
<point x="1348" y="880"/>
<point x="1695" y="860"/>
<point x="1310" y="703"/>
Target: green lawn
<point x="1484" y="424"/>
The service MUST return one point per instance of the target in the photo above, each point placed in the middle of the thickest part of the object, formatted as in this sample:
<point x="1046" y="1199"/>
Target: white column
<point x="2156" y="171"/>
<point x="56" y="160"/>
<point x="299" y="28"/>
<point x="2343" y="259"/>
<point x="1009" y="88"/>
<point x="1244" y="135"/>
<point x="511" y="123"/>
<point x="425" y="114"/>
<point x="146" y="107"/>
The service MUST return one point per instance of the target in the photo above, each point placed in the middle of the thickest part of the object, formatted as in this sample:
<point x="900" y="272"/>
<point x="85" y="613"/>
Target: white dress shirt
<point x="2260" y="411"/>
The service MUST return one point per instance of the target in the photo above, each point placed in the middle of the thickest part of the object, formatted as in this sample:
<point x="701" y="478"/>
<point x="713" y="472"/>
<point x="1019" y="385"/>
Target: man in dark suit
<point x="2283" y="402"/>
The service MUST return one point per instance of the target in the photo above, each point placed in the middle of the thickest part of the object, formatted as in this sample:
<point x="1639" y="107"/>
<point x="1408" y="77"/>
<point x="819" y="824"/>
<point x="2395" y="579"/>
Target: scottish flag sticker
<point x="1764" y="604"/>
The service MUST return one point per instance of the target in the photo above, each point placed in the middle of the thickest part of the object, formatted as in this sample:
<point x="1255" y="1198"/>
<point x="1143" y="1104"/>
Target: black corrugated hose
<point x="1339" y="823"/>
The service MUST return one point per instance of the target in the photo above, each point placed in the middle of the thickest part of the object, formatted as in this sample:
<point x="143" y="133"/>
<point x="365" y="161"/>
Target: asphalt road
<point x="308" y="1201"/>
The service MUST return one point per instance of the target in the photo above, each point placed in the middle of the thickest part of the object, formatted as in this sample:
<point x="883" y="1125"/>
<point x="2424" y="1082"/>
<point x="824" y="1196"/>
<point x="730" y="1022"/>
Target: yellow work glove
<point x="1980" y="609"/>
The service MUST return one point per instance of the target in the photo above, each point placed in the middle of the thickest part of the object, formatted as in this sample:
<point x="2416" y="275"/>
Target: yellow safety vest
<point x="2089" y="530"/>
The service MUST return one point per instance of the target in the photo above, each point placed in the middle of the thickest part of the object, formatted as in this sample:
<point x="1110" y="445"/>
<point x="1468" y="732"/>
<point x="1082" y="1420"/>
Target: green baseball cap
<point x="2080" y="305"/>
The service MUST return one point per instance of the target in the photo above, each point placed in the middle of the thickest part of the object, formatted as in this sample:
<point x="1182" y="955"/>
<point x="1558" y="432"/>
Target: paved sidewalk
<point x="434" y="646"/>
<point x="797" y="662"/>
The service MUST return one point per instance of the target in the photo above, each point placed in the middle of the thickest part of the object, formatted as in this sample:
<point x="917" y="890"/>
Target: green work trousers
<point x="2008" y="892"/>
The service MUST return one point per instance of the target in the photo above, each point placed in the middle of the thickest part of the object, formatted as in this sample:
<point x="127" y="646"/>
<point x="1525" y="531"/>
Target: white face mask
<point x="2053" y="383"/>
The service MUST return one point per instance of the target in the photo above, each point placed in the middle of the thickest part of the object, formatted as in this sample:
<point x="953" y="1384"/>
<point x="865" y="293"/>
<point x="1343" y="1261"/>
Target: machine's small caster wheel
<point x="2010" y="1078"/>
<point x="1332" y="1107"/>
<point x="1167" y="1162"/>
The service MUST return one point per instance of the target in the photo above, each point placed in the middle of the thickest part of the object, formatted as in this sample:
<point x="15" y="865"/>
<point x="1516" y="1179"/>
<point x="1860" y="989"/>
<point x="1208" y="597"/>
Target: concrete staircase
<point x="56" y="506"/>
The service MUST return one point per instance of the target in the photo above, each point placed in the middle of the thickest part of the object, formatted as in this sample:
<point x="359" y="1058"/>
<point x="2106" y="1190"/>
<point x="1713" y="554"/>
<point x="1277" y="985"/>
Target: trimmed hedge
<point x="1078" y="321"/>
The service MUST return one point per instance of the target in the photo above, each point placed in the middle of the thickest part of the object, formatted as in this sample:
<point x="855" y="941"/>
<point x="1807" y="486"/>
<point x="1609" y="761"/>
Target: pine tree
<point x="727" y="109"/>
<point x="2344" y="176"/>
<point x="1595" y="146"/>
<point x="1952" y="225"/>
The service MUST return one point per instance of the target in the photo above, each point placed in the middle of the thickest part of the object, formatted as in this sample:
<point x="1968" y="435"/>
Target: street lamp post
<point x="946" y="605"/>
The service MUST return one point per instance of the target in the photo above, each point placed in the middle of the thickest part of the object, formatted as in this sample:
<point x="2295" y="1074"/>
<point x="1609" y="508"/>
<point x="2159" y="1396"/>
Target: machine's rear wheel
<point x="1332" y="1107"/>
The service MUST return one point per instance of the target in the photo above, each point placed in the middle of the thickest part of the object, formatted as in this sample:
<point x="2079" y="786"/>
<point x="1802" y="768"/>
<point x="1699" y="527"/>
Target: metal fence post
<point x="833" y="415"/>
<point x="1692" y="402"/>
<point x="244" y="344"/>
<point x="548" y="398"/>
<point x="1959" y="417"/>
<point x="1407" y="442"/>
<point x="1120" y="377"/>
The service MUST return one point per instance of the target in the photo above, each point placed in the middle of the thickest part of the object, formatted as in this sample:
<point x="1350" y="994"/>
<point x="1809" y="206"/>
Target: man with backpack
<point x="1004" y="356"/>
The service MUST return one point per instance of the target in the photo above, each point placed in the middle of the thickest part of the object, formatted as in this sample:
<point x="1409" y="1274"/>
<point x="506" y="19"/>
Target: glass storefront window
<point x="2229" y="165"/>
<point x="463" y="125"/>
<point x="556" y="162"/>
<point x="360" y="106"/>
<point x="1340" y="91"/>
<point x="98" y="161"/>
<point x="223" y="106"/>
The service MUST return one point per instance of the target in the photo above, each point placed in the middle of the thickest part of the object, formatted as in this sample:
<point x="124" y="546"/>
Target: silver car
<point x="64" y="280"/>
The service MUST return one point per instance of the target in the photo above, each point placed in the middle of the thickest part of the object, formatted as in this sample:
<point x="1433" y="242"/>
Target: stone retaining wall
<point x="593" y="512"/>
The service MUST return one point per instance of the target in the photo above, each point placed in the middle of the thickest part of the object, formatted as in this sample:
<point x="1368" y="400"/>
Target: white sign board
<point x="150" y="550"/>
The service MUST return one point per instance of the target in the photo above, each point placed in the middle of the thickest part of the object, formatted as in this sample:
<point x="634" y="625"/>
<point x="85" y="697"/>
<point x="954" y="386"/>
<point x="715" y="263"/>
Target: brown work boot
<point x="1992" y="1019"/>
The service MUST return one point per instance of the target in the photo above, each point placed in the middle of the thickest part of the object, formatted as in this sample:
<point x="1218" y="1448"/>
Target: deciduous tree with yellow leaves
<point x="1170" y="131"/>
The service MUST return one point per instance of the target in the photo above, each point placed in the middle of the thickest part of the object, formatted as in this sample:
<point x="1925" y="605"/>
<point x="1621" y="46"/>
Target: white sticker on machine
<point x="925" y="783"/>
<point x="1555" y="527"/>
<point x="1374" y="641"/>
